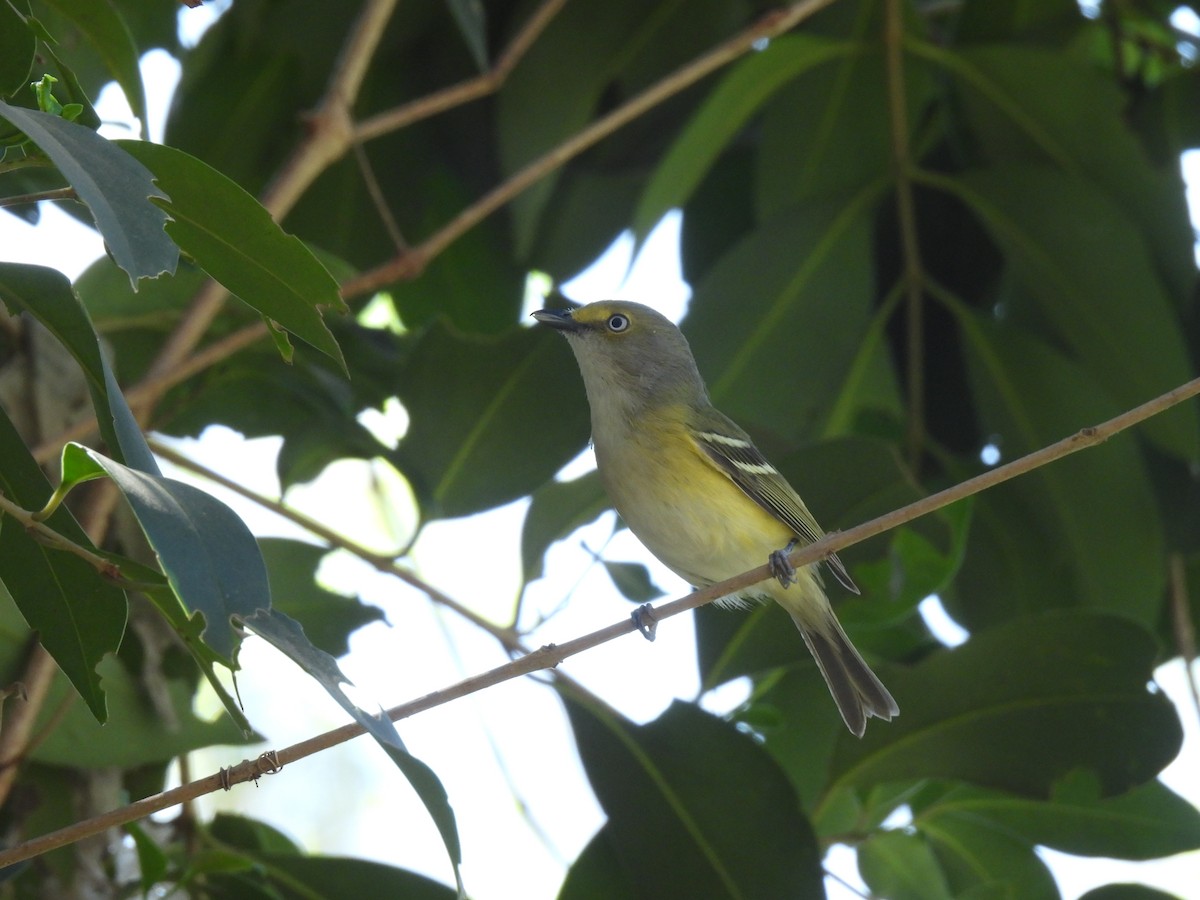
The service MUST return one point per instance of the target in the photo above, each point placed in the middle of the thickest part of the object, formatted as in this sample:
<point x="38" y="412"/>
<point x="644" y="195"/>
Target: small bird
<point x="691" y="485"/>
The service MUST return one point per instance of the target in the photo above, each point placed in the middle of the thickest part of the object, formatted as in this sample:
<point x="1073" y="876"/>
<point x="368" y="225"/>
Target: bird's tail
<point x="856" y="690"/>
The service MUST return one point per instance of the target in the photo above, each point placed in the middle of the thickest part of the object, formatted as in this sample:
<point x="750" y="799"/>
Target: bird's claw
<point x="781" y="567"/>
<point x="645" y="620"/>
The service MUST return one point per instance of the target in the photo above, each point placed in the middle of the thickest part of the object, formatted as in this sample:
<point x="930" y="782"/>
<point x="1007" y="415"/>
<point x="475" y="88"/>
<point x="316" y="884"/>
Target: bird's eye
<point x="617" y="323"/>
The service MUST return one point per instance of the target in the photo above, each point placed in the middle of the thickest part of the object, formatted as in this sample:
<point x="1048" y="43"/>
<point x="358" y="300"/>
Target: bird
<point x="695" y="490"/>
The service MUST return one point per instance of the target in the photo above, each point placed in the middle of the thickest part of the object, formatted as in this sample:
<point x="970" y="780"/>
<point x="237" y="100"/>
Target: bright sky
<point x="506" y="756"/>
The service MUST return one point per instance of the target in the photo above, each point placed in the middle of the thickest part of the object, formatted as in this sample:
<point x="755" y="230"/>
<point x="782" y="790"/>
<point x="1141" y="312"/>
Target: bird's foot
<point x="781" y="567"/>
<point x="645" y="620"/>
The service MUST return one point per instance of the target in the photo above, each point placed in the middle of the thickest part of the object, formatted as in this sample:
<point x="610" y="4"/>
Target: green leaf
<point x="1021" y="705"/>
<point x="471" y="19"/>
<point x="101" y="23"/>
<point x="811" y="264"/>
<point x="206" y="551"/>
<point x="633" y="581"/>
<point x="287" y="636"/>
<point x="577" y="53"/>
<point x="724" y="113"/>
<point x="1146" y="822"/>
<point x="491" y="417"/>
<point x="719" y="814"/>
<point x="1091" y="521"/>
<point x="327" y="618"/>
<point x="558" y="508"/>
<point x="1086" y="266"/>
<point x="1127" y="892"/>
<point x="901" y="867"/>
<point x="17" y="47"/>
<point x="1032" y="104"/>
<point x="597" y="873"/>
<point x="828" y="131"/>
<point x="914" y="568"/>
<point x="979" y="854"/>
<point x="116" y="187"/>
<point x="135" y="734"/>
<point x="152" y="861"/>
<point x="46" y="294"/>
<point x="236" y="241"/>
<point x="79" y="616"/>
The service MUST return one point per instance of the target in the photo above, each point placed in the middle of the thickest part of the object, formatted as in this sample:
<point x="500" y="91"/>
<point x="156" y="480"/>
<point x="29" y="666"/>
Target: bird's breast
<point x="688" y="514"/>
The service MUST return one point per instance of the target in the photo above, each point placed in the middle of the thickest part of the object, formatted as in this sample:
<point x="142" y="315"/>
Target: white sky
<point x="506" y="756"/>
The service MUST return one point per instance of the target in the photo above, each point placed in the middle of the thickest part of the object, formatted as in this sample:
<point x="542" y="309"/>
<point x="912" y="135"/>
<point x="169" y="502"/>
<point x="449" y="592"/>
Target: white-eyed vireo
<point x="696" y="491"/>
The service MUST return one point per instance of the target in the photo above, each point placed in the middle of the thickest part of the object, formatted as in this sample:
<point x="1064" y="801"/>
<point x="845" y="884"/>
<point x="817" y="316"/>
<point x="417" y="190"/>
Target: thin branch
<point x="408" y="265"/>
<point x="44" y="534"/>
<point x="551" y="655"/>
<point x="66" y="193"/>
<point x="893" y="39"/>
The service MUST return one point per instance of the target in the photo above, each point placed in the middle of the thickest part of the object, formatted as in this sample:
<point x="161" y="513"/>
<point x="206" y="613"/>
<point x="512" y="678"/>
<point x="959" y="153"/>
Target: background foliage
<point x="921" y="236"/>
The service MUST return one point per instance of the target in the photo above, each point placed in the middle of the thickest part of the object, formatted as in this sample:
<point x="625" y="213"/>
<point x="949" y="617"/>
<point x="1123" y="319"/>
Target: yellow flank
<point x="691" y="516"/>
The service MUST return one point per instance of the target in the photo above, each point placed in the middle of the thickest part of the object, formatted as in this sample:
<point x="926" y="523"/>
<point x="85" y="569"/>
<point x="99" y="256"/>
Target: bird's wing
<point x="730" y="449"/>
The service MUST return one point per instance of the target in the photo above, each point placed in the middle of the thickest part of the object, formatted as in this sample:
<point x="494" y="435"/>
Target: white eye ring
<point x="617" y="323"/>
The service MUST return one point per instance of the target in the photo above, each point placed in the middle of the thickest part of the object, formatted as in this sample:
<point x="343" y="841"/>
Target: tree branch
<point x="551" y="655"/>
<point x="411" y="263"/>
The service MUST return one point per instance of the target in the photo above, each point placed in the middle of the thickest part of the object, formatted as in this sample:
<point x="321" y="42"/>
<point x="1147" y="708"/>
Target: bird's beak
<point x="559" y="319"/>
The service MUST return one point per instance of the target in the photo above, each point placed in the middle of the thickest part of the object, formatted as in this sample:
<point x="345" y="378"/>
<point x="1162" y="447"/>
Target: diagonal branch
<point x="549" y="656"/>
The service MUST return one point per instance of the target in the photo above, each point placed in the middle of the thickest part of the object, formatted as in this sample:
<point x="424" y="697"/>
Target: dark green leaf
<point x="977" y="854"/>
<point x="293" y="876"/>
<point x="633" y="581"/>
<point x="1021" y="705"/>
<point x="724" y="113"/>
<point x="828" y="131"/>
<point x="250" y="834"/>
<point x="597" y="873"/>
<point x="116" y="187"/>
<point x="577" y="53"/>
<point x="1145" y="822"/>
<point x="327" y="618"/>
<point x="558" y="508"/>
<point x="236" y="241"/>
<point x="901" y="867"/>
<point x="491" y="417"/>
<point x="100" y="22"/>
<point x="811" y="264"/>
<point x="152" y="861"/>
<point x="1086" y="266"/>
<point x="1092" y="518"/>
<point x="1127" y="892"/>
<point x="17" y="46"/>
<point x="79" y="616"/>
<point x="1032" y="104"/>
<point x="47" y="295"/>
<point x="719" y="814"/>
<point x="206" y="551"/>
